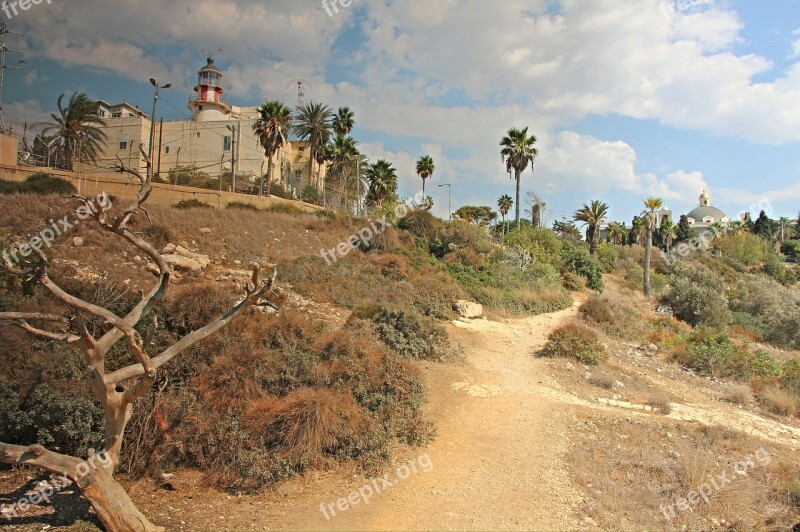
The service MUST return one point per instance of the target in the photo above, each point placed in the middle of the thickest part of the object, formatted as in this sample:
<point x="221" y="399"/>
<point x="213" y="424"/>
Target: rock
<point x="569" y="366"/>
<point x="183" y="244"/>
<point x="137" y="258"/>
<point x="181" y="262"/>
<point x="78" y="241"/>
<point x="205" y="230"/>
<point x="169" y="248"/>
<point x="152" y="268"/>
<point x="468" y="309"/>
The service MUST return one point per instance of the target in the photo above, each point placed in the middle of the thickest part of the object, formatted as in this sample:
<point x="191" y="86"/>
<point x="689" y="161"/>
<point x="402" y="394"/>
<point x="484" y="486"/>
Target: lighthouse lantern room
<point x="208" y="104"/>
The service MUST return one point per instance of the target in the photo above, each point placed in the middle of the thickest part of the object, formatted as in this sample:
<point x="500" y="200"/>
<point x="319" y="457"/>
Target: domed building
<point x="704" y="216"/>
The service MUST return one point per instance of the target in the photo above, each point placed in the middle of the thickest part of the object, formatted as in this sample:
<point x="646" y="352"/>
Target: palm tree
<point x="504" y="205"/>
<point x="272" y="129"/>
<point x="75" y="129"/>
<point x="669" y="231"/>
<point x="649" y="217"/>
<point x="344" y="122"/>
<point x="617" y="232"/>
<point x="340" y="154"/>
<point x="592" y="216"/>
<point x="313" y="124"/>
<point x="518" y="151"/>
<point x="382" y="179"/>
<point x="425" y="170"/>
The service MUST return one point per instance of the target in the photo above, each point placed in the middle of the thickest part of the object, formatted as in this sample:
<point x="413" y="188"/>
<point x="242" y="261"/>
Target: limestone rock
<point x="468" y="309"/>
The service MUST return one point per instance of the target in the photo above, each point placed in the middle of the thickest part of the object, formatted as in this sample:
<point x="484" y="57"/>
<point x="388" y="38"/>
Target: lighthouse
<point x="208" y="105"/>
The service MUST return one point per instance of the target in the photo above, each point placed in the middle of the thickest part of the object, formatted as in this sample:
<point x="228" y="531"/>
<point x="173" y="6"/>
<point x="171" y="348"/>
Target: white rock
<point x="169" y="248"/>
<point x="468" y="309"/>
<point x="77" y="241"/>
<point x="205" y="230"/>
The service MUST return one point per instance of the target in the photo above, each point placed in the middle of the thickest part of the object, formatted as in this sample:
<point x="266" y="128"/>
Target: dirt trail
<point x="496" y="462"/>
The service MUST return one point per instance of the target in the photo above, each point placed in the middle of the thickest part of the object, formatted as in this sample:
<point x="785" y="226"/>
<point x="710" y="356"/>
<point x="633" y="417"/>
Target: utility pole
<point x="160" y="139"/>
<point x="155" y="84"/>
<point x="3" y="50"/>
<point x="232" y="129"/>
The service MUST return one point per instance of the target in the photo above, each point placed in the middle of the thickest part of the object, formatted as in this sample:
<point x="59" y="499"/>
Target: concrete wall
<point x="163" y="194"/>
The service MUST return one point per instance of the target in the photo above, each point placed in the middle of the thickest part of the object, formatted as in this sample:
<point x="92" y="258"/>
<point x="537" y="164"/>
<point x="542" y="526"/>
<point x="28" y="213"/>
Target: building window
<point x="226" y="143"/>
<point x="123" y="141"/>
<point x="116" y="114"/>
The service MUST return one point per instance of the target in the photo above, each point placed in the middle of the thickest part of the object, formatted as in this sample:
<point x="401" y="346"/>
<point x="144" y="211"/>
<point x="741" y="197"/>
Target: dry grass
<point x="660" y="403"/>
<point x="778" y="401"/>
<point x="739" y="394"/>
<point x="601" y="379"/>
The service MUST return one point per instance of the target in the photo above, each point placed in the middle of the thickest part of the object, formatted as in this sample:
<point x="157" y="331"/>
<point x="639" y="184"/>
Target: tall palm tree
<point x="425" y="170"/>
<point x="313" y="124"/>
<point x="517" y="152"/>
<point x="504" y="205"/>
<point x="340" y="154"/>
<point x="649" y="217"/>
<point x="592" y="216"/>
<point x="272" y="129"/>
<point x="382" y="179"/>
<point x="75" y="129"/>
<point x="669" y="231"/>
<point x="344" y="122"/>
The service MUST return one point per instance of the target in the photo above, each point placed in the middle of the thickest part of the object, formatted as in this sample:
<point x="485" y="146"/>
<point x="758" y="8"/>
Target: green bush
<point x="408" y="333"/>
<point x="775" y="267"/>
<point x="577" y="260"/>
<point x="712" y="353"/>
<point x="763" y="365"/>
<point x="192" y="204"/>
<point x="38" y="184"/>
<point x="608" y="256"/>
<point x="658" y="282"/>
<point x="790" y="375"/>
<point x="573" y="282"/>
<point x="577" y="341"/>
<point x="285" y="208"/>
<point x="791" y="248"/>
<point x="543" y="244"/>
<point x="422" y="224"/>
<point x="697" y="295"/>
<point x="310" y="194"/>
<point x="782" y="327"/>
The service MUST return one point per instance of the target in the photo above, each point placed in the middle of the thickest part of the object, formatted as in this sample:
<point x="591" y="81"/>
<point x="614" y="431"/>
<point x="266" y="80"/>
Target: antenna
<point x="3" y="50"/>
<point x="301" y="85"/>
<point x="211" y="53"/>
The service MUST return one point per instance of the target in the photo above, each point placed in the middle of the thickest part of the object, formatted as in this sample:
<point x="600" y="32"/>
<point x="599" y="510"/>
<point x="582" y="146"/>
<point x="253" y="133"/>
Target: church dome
<point x="701" y="213"/>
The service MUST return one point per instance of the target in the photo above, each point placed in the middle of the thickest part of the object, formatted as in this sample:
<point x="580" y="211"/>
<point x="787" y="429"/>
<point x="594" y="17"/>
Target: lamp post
<point x="232" y="129"/>
<point x="158" y="87"/>
<point x="449" y="209"/>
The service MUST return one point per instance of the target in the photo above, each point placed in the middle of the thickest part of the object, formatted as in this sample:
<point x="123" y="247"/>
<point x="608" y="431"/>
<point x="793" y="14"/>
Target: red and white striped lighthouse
<point x="208" y="104"/>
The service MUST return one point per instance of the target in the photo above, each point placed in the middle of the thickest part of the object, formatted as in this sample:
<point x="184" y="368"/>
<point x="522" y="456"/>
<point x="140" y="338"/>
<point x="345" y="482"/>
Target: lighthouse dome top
<point x="210" y="67"/>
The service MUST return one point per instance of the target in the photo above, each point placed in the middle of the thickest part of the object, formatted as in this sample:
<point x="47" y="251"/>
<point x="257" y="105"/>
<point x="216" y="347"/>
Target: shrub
<point x="660" y="404"/>
<point x="573" y="282"/>
<point x="782" y="326"/>
<point x="192" y="204"/>
<point x="578" y="261"/>
<point x="411" y="336"/>
<point x="739" y="394"/>
<point x="713" y="353"/>
<point x="577" y="341"/>
<point x="745" y="247"/>
<point x="775" y="267"/>
<point x="38" y="184"/>
<point x="596" y="309"/>
<point x="608" y="257"/>
<point x="286" y="208"/>
<point x="422" y="224"/>
<point x="658" y="282"/>
<point x="790" y="375"/>
<point x="778" y="401"/>
<point x="158" y="235"/>
<point x="194" y="306"/>
<point x="240" y="205"/>
<point x="793" y="490"/>
<point x="791" y="248"/>
<point x="697" y="296"/>
<point x="763" y="365"/>
<point x="458" y="235"/>
<point x="543" y="244"/>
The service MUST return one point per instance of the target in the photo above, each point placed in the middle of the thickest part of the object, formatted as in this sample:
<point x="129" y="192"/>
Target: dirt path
<point x="497" y="460"/>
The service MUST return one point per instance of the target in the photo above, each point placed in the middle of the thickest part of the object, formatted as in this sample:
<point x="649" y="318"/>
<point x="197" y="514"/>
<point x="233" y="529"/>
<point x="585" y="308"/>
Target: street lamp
<point x="232" y="129"/>
<point x="158" y="87"/>
<point x="449" y="190"/>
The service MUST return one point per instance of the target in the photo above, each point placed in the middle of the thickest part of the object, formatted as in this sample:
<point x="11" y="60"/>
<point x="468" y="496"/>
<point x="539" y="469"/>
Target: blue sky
<point x="627" y="98"/>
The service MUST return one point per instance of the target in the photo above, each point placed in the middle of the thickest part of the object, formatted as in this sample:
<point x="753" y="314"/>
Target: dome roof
<point x="702" y="212"/>
<point x="210" y="67"/>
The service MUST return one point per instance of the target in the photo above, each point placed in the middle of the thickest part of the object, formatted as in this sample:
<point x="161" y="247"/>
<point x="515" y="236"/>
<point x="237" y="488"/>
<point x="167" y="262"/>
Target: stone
<point x="468" y="309"/>
<point x="78" y="241"/>
<point x="169" y="248"/>
<point x="181" y="262"/>
<point x="137" y="258"/>
<point x="205" y="230"/>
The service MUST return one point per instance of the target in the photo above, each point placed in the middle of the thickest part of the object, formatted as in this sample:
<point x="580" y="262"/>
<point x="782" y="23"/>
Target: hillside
<point x="559" y="409"/>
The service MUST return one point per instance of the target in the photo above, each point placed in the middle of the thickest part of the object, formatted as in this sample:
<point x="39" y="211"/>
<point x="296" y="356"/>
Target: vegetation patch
<point x="575" y="340"/>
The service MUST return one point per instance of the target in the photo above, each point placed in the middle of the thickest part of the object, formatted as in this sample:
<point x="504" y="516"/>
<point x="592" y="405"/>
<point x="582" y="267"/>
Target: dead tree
<point x="116" y="390"/>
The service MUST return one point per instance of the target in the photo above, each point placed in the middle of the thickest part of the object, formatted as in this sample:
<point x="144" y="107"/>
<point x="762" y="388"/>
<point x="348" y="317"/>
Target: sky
<point x="627" y="98"/>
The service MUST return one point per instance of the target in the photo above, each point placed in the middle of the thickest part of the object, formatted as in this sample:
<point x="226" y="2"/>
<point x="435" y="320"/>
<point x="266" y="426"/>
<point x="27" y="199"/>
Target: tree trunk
<point x="518" y="176"/>
<point x="110" y="501"/>
<point x="423" y="189"/>
<point x="594" y="241"/>
<point x="118" y="413"/>
<point x="647" y="245"/>
<point x="269" y="174"/>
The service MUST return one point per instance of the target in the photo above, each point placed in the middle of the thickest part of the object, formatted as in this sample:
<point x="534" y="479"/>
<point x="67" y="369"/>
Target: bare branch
<point x="21" y="319"/>
<point x="251" y="298"/>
